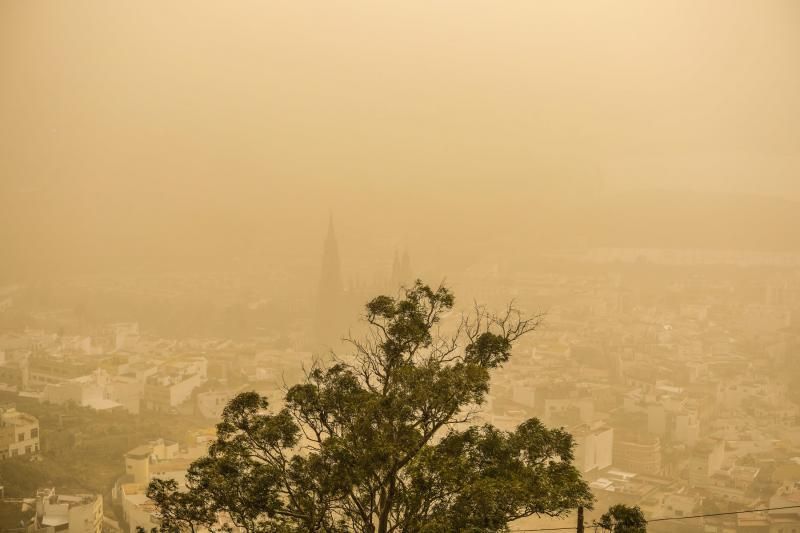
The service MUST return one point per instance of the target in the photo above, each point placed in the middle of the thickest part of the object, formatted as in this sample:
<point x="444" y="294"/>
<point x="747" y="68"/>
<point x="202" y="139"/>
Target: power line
<point x="671" y="518"/>
<point x="727" y="513"/>
<point x="546" y="529"/>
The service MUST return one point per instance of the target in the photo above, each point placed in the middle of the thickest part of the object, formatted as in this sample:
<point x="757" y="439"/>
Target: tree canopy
<point x="382" y="440"/>
<point x="622" y="518"/>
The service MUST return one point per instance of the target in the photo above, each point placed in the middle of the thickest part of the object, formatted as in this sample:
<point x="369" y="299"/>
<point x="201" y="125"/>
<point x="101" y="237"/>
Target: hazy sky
<point x="198" y="128"/>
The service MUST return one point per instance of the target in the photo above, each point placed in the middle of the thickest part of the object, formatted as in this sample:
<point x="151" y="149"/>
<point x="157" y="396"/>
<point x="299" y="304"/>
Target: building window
<point x="34" y="433"/>
<point x="28" y="449"/>
<point x="21" y="437"/>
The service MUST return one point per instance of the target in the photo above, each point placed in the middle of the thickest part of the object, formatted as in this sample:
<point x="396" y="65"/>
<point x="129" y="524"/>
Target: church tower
<point x="330" y="294"/>
<point x="401" y="271"/>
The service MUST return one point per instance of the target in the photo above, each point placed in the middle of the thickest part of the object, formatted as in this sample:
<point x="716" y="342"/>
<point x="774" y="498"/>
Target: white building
<point x="157" y="459"/>
<point x="210" y="404"/>
<point x="81" y="513"/>
<point x="594" y="446"/>
<point x="137" y="510"/>
<point x="19" y="433"/>
<point x="174" y="384"/>
<point x="93" y="391"/>
<point x="138" y="461"/>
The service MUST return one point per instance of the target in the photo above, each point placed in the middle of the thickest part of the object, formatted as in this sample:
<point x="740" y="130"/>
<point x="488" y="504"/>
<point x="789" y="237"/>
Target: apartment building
<point x="19" y="433"/>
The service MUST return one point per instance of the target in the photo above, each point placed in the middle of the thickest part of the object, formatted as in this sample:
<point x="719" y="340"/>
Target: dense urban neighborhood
<point x="359" y="266"/>
<point x="673" y="373"/>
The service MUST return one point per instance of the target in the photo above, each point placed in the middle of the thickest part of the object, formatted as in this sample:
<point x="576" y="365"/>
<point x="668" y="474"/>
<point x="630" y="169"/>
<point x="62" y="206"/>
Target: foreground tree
<point x="623" y="519"/>
<point x="381" y="442"/>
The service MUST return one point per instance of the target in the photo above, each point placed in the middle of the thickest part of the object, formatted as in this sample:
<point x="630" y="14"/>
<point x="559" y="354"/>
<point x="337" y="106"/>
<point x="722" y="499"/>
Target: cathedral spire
<point x="330" y="294"/>
<point x="401" y="270"/>
<point x="331" y="279"/>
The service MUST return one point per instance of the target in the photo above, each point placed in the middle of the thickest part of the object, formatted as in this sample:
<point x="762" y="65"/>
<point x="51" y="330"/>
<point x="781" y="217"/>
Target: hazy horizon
<point x="161" y="136"/>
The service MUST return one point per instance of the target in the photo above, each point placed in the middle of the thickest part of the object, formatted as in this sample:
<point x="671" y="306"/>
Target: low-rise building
<point x="210" y="404"/>
<point x="93" y="390"/>
<point x="160" y="459"/>
<point x="706" y="460"/>
<point x="79" y="513"/>
<point x="19" y="433"/>
<point x="139" y="461"/>
<point x="46" y="369"/>
<point x="173" y="384"/>
<point x="785" y="516"/>
<point x="138" y="511"/>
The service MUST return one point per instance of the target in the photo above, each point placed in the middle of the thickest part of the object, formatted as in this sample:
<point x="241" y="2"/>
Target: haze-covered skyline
<point x="376" y="266"/>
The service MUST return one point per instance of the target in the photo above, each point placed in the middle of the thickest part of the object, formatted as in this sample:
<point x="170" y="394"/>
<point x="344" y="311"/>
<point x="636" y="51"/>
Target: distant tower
<point x="393" y="279"/>
<point x="405" y="268"/>
<point x="401" y="271"/>
<point x="330" y="295"/>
